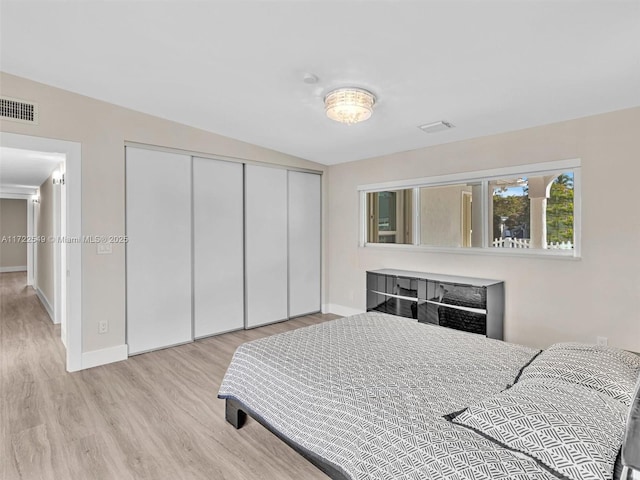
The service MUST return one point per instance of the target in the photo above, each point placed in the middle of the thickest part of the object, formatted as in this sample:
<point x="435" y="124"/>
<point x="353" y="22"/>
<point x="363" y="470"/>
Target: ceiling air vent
<point x="436" y="127"/>
<point x="18" y="110"/>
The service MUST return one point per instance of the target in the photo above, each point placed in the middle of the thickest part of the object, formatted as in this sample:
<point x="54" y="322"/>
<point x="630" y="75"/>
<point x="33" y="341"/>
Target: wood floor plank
<point x="89" y="457"/>
<point x="155" y="416"/>
<point x="32" y="451"/>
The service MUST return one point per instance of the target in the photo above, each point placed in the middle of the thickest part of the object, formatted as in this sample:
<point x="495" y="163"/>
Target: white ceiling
<point x="26" y="168"/>
<point x="236" y="67"/>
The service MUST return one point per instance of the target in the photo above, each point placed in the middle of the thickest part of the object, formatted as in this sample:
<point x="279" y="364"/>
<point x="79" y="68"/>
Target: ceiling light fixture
<point x="349" y="105"/>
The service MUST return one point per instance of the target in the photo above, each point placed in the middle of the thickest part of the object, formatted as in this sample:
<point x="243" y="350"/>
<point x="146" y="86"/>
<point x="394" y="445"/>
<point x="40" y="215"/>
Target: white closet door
<point x="266" y="244"/>
<point x="304" y="243"/>
<point x="218" y="246"/>
<point x="158" y="207"/>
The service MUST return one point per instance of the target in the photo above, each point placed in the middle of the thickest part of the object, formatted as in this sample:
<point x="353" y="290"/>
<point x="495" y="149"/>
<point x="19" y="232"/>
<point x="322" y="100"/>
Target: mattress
<point x="366" y="395"/>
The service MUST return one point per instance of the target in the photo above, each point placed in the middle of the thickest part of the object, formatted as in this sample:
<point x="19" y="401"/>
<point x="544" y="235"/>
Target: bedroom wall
<point x="13" y="222"/>
<point x="102" y="129"/>
<point x="547" y="299"/>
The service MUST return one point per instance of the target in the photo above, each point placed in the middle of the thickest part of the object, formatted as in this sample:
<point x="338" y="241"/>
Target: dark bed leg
<point x="233" y="414"/>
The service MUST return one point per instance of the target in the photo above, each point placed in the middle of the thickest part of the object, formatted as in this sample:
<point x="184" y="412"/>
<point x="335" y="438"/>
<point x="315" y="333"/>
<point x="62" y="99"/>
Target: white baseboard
<point x="45" y="303"/>
<point x="13" y="269"/>
<point x="96" y="358"/>
<point x="340" y="310"/>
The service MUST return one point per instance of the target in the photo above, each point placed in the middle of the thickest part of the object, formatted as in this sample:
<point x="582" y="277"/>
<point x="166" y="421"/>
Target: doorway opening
<point x="45" y="173"/>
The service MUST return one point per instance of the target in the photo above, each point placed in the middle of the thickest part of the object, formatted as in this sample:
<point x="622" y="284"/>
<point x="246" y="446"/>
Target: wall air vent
<point x="436" y="127"/>
<point x="18" y="110"/>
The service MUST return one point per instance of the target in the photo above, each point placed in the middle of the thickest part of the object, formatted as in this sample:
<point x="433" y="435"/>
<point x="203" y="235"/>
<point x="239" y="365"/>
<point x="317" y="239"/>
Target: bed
<point x="375" y="396"/>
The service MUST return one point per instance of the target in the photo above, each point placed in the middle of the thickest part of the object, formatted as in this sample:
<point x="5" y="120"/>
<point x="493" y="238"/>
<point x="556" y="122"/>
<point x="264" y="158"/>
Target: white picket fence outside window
<point x="509" y="242"/>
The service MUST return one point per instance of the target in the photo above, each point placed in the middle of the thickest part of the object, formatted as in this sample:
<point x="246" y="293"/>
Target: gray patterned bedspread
<point x="367" y="394"/>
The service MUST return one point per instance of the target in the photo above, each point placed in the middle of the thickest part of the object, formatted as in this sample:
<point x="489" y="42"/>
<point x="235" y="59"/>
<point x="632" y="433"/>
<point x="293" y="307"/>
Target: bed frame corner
<point x="234" y="414"/>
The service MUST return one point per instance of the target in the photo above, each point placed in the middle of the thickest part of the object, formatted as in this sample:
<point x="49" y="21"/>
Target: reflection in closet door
<point x="304" y="243"/>
<point x="218" y="264"/>
<point x="158" y="222"/>
<point x="266" y="245"/>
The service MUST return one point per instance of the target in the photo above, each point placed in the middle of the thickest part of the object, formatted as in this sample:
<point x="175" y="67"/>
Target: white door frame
<point x="72" y="324"/>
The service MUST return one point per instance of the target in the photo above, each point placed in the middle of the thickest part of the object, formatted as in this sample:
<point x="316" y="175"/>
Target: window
<point x="446" y="215"/>
<point x="532" y="208"/>
<point x="390" y="217"/>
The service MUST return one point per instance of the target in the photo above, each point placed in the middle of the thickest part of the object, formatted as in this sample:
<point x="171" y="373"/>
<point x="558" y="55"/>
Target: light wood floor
<point x="154" y="416"/>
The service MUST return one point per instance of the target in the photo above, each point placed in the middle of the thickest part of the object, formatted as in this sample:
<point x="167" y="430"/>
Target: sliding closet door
<point x="304" y="243"/>
<point x="218" y="273"/>
<point x="266" y="244"/>
<point x="158" y="208"/>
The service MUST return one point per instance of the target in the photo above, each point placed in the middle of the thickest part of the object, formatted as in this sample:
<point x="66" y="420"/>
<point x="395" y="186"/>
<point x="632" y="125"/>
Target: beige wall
<point x="547" y="300"/>
<point x="44" y="227"/>
<point x="13" y="222"/>
<point x="102" y="129"/>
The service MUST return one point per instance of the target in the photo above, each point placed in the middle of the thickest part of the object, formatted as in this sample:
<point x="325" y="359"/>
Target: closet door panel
<point x="158" y="222"/>
<point x="304" y="243"/>
<point x="266" y="245"/>
<point x="218" y="246"/>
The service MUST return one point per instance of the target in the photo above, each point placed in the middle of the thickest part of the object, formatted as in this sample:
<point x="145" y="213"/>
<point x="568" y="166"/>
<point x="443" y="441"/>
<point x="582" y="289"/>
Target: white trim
<point x="341" y="310"/>
<point x="73" y="179"/>
<point x="4" y="193"/>
<point x="537" y="168"/>
<point x="364" y="218"/>
<point x="104" y="356"/>
<point x="577" y="212"/>
<point x="501" y="252"/>
<point x="486" y="213"/>
<point x="45" y="303"/>
<point x="9" y="191"/>
<point x="22" y="268"/>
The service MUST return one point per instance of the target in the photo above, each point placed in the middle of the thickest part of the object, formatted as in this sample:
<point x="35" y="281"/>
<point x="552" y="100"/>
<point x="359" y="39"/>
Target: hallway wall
<point x="13" y="223"/>
<point x="45" y="250"/>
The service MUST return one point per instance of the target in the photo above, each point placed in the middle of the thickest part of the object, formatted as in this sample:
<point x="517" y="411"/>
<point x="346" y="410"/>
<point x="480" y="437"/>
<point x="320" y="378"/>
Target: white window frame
<point x="483" y="176"/>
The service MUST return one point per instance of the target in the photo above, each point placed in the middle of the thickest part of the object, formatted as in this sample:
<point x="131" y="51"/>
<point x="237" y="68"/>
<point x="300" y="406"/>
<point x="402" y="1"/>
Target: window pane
<point x="533" y="211"/>
<point x="511" y="212"/>
<point x="560" y="212"/>
<point x="449" y="214"/>
<point x="389" y="217"/>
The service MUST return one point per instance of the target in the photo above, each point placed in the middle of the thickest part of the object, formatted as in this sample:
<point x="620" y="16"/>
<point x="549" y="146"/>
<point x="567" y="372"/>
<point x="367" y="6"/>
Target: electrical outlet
<point x="602" y="341"/>
<point x="103" y="327"/>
